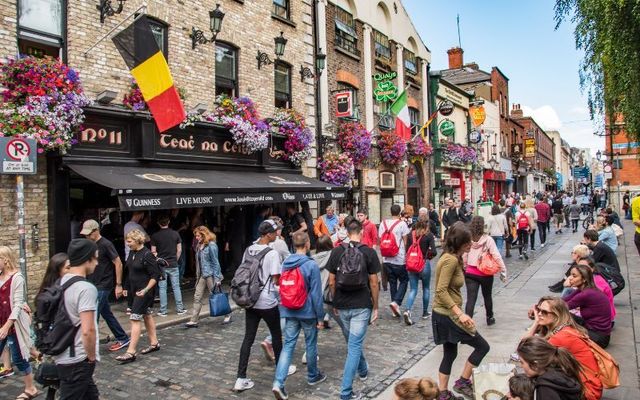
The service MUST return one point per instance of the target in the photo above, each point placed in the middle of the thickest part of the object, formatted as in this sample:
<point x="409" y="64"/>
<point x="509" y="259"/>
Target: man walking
<point x="544" y="215"/>
<point x="75" y="368"/>
<point x="451" y="215"/>
<point x="558" y="212"/>
<point x="353" y="281"/>
<point x="107" y="273"/>
<point x="326" y="224"/>
<point x="294" y="222"/>
<point x="369" y="231"/>
<point x="300" y="280"/>
<point x="167" y="244"/>
<point x="393" y="237"/>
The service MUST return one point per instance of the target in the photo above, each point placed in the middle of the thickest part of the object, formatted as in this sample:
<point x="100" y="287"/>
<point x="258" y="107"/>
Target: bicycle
<point x="588" y="221"/>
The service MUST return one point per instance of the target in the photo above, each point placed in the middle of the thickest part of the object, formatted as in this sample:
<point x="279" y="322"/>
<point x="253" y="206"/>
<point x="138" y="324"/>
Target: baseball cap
<point x="89" y="226"/>
<point x="268" y="226"/>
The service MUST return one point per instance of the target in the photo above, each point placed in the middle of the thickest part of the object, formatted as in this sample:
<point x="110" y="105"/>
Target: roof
<point x="461" y="76"/>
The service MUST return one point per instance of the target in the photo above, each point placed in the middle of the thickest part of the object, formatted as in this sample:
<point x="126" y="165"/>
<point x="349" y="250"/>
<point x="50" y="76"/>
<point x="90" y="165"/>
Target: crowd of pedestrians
<point x="333" y="269"/>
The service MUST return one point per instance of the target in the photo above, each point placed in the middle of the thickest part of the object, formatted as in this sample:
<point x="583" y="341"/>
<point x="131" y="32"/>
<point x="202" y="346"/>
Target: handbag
<point x="327" y="296"/>
<point x="487" y="264"/>
<point x="219" y="302"/>
<point x="491" y="381"/>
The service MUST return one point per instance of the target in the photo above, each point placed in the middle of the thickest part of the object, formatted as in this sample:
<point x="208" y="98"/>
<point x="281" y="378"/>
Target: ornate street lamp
<point x="107" y="10"/>
<point x="280" y="43"/>
<point x="305" y="72"/>
<point x="215" y="26"/>
<point x="599" y="155"/>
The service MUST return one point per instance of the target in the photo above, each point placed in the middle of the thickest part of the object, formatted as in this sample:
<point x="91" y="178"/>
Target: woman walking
<point x="208" y="271"/>
<point x="534" y="221"/>
<point x="450" y="324"/>
<point x="143" y="276"/>
<point x="574" y="215"/>
<point x="482" y="246"/>
<point x="497" y="226"/>
<point x="555" y="372"/>
<point x="15" y="322"/>
<point x="427" y="244"/>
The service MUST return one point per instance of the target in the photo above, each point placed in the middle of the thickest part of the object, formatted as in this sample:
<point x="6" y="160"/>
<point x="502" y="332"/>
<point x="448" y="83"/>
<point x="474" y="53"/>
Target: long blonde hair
<point x="563" y="317"/>
<point x="9" y="257"/>
<point x="207" y="235"/>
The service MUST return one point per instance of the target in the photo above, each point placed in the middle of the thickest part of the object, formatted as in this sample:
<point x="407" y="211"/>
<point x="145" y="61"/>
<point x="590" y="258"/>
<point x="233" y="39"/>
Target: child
<point x="416" y="389"/>
<point x="520" y="388"/>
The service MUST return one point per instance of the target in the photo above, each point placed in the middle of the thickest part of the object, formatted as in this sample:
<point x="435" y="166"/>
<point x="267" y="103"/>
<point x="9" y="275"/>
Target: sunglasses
<point x="544" y="313"/>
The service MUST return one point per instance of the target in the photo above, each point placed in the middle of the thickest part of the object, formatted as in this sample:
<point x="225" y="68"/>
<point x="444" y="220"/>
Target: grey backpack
<point x="245" y="285"/>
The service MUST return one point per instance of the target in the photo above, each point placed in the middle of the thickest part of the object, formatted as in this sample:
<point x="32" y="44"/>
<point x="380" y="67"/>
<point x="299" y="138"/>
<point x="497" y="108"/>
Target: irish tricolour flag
<point x="403" y="123"/>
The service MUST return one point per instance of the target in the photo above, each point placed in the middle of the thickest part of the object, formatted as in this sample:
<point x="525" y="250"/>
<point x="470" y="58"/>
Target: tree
<point x="608" y="31"/>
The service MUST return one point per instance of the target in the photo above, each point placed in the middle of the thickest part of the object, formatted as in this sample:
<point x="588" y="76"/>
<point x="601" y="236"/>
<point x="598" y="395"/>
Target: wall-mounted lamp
<point x="107" y="10"/>
<point x="305" y="72"/>
<point x="280" y="43"/>
<point x="215" y="26"/>
<point x="106" y="96"/>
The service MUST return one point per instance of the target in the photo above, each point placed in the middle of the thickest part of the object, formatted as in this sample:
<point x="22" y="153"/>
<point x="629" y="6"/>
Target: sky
<point x="519" y="37"/>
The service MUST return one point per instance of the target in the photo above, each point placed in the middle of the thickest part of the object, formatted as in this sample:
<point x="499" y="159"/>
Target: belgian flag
<point x="148" y="66"/>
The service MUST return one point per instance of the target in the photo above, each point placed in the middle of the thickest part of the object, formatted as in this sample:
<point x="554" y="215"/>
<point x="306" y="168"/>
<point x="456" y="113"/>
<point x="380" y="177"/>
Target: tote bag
<point x="491" y="381"/>
<point x="219" y="302"/>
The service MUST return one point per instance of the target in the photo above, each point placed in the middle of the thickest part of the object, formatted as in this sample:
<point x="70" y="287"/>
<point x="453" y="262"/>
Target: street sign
<point x="19" y="156"/>
<point x="581" y="172"/>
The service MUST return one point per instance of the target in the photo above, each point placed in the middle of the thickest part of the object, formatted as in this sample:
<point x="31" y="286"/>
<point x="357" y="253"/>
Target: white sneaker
<point x="243" y="384"/>
<point x="304" y="358"/>
<point x="542" y="245"/>
<point x="292" y="370"/>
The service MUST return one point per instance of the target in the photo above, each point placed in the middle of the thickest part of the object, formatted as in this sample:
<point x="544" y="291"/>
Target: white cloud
<point x="580" y="111"/>
<point x="545" y="116"/>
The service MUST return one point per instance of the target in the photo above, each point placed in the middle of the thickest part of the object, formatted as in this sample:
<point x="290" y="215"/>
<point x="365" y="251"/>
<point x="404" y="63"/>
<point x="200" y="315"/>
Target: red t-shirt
<point x="369" y="234"/>
<point x="567" y="339"/>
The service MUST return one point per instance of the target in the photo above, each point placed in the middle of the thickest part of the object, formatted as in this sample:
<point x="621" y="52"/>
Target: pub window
<point x="281" y="8"/>
<point x="346" y="37"/>
<point x="40" y="27"/>
<point x="414" y="117"/>
<point x="282" y="85"/>
<point x="383" y="48"/>
<point x="385" y="118"/>
<point x="160" y="32"/>
<point x="345" y="87"/>
<point x="410" y="63"/>
<point x="226" y="70"/>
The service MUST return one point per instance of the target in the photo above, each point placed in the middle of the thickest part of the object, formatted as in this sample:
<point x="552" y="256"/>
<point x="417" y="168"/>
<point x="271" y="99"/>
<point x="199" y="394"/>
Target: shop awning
<point x="141" y="188"/>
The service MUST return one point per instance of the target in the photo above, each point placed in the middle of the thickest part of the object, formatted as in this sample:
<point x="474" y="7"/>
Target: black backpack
<point x="246" y="285"/>
<point x="613" y="277"/>
<point x="54" y="330"/>
<point x="352" y="273"/>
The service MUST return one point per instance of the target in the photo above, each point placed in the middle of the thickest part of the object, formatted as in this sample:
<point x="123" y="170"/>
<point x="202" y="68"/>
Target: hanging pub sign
<point x="478" y="115"/>
<point x="344" y="104"/>
<point x="385" y="90"/>
<point x="529" y="147"/>
<point x="475" y="136"/>
<point x="447" y="127"/>
<point x="516" y="149"/>
<point x="445" y="108"/>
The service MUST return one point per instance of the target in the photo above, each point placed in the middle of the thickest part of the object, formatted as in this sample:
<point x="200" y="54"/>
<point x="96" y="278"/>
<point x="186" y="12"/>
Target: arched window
<point x="226" y="70"/>
<point x="414" y="117"/>
<point x="282" y="80"/>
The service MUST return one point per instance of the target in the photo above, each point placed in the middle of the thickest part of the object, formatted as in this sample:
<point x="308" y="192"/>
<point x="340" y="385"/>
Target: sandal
<point x="151" y="349"/>
<point x="27" y="396"/>
<point x="126" y="358"/>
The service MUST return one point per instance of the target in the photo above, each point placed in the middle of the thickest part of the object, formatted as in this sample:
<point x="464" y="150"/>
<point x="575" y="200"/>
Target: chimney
<point x="455" y="58"/>
<point x="516" y="112"/>
<point x="473" y="65"/>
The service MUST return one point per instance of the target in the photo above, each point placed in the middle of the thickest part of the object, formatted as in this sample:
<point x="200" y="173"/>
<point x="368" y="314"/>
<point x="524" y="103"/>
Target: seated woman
<point x="606" y="234"/>
<point x="594" y="307"/>
<point x="600" y="282"/>
<point x="579" y="251"/>
<point x="554" y="322"/>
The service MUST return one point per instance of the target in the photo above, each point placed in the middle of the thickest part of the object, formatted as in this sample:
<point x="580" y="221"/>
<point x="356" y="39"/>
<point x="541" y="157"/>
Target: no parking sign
<point x="18" y="155"/>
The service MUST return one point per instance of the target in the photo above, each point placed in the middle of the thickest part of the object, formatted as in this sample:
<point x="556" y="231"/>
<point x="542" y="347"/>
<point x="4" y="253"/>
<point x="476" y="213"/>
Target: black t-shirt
<point x="142" y="267"/>
<point x="165" y="241"/>
<point x="357" y="298"/>
<point x="604" y="254"/>
<point x="426" y="242"/>
<point x="104" y="275"/>
<point x="557" y="206"/>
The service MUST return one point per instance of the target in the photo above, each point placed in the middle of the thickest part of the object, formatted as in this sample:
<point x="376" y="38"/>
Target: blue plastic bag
<point x="219" y="302"/>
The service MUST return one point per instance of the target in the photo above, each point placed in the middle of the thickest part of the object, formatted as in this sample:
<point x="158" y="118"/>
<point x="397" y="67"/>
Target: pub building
<point x="198" y="174"/>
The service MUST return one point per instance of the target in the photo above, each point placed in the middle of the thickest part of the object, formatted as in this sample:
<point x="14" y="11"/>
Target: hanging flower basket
<point x="240" y="115"/>
<point x="290" y="124"/>
<point x="418" y="149"/>
<point x="457" y="154"/>
<point x="337" y="168"/>
<point x="392" y="148"/>
<point x="133" y="98"/>
<point x="42" y="100"/>
<point x="355" y="141"/>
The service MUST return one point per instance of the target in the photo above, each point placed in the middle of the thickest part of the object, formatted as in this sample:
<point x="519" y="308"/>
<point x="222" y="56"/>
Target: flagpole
<point x="140" y="14"/>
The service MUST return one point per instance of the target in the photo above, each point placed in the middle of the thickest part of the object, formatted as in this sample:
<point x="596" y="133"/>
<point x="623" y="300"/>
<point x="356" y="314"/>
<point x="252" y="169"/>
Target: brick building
<point x="622" y="151"/>
<point x="360" y="41"/>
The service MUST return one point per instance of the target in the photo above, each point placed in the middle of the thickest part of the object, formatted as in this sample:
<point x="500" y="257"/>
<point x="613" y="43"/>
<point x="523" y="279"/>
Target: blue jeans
<point x="174" y="275"/>
<point x="292" y="329"/>
<point x="16" y="356"/>
<point x="356" y="322"/>
<point x="398" y="280"/>
<point x="499" y="242"/>
<point x="182" y="262"/>
<point x="425" y="278"/>
<point x="104" y="311"/>
<point x="566" y="292"/>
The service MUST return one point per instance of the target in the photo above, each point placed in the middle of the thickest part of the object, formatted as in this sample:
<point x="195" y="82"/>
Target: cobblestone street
<point x="201" y="363"/>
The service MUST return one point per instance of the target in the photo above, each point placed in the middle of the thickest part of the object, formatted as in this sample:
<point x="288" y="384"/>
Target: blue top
<point x="209" y="264"/>
<point x="608" y="237"/>
<point x="313" y="307"/>
<point x="331" y="223"/>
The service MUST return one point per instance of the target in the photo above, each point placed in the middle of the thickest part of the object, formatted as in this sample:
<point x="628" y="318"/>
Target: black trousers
<point x="474" y="283"/>
<point x="600" y="339"/>
<point x="480" y="350"/>
<point x="542" y="230"/>
<point x="76" y="381"/>
<point x="252" y="319"/>
<point x="574" y="224"/>
<point x="523" y="240"/>
<point x="532" y="238"/>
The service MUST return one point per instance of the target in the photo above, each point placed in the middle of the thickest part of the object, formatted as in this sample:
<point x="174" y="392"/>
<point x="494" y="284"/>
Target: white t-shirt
<point x="80" y="297"/>
<point x="271" y="265"/>
<point x="400" y="230"/>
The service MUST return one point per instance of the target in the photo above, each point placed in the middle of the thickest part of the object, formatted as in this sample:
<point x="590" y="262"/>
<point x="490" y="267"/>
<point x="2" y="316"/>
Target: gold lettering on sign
<point x="209" y="146"/>
<point x="166" y="140"/>
<point x="91" y="135"/>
